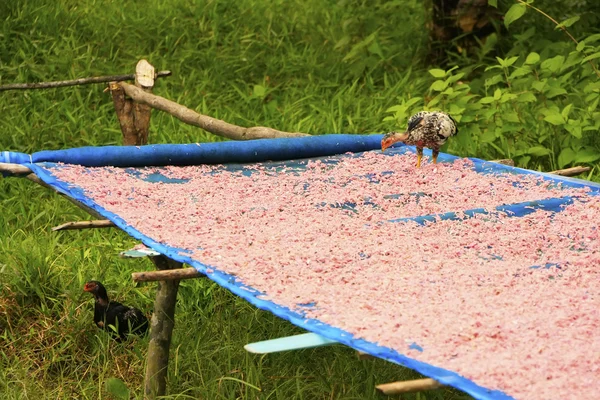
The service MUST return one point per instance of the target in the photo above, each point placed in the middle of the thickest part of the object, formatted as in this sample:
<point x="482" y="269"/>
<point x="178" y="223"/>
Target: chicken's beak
<point x="89" y="287"/>
<point x="386" y="142"/>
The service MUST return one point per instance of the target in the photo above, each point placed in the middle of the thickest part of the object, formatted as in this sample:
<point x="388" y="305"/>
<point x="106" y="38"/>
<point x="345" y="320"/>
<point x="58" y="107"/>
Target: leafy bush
<point x="537" y="105"/>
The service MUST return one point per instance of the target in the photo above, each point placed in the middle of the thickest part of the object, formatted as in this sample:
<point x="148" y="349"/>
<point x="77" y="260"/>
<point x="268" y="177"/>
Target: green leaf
<point x="532" y="58"/>
<point x="538" y="151"/>
<point x="538" y="85"/>
<point x="507" y="97"/>
<point x="587" y="155"/>
<point x="555" y="119"/>
<point x="591" y="57"/>
<point x="511" y="116"/>
<point x="567" y="22"/>
<point x="553" y="64"/>
<point x="565" y="112"/>
<point x="511" y="61"/>
<point x="593" y="38"/>
<point x="439" y="86"/>
<point x="497" y="94"/>
<point x="487" y="100"/>
<point x="494" y="80"/>
<point x="488" y="136"/>
<point x="117" y="388"/>
<point x="519" y="72"/>
<point x="580" y="46"/>
<point x="526" y="97"/>
<point x="555" y="91"/>
<point x="437" y="73"/>
<point x="455" y="78"/>
<point x="259" y="91"/>
<point x="493" y="3"/>
<point x="374" y="48"/>
<point x="396" y="108"/>
<point x="566" y="157"/>
<point x="514" y="13"/>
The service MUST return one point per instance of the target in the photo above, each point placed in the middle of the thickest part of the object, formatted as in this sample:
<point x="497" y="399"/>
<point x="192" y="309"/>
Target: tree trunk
<point x="460" y="23"/>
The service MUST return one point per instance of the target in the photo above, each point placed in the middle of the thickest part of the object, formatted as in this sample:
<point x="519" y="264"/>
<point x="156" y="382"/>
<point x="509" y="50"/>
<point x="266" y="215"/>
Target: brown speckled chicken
<point x="425" y="129"/>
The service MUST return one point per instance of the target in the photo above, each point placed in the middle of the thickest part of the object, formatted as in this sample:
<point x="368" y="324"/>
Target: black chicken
<point x="425" y="129"/>
<point x="124" y="319"/>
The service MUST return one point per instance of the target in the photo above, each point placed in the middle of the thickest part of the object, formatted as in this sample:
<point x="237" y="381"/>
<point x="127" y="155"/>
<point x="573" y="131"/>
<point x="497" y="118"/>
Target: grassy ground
<point x="314" y="66"/>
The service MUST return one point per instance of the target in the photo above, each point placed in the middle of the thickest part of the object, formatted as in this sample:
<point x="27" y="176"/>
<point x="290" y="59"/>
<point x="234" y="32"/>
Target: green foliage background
<point x="316" y="66"/>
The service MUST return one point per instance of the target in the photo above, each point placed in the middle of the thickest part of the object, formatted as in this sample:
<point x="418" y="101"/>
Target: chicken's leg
<point x="419" y="156"/>
<point x="435" y="153"/>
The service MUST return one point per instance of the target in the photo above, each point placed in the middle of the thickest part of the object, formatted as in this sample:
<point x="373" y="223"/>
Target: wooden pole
<point x="161" y="330"/>
<point x="166" y="275"/>
<point x="416" y="385"/>
<point x="574" y="171"/>
<point x="76" y="82"/>
<point x="134" y="119"/>
<point x="101" y="223"/>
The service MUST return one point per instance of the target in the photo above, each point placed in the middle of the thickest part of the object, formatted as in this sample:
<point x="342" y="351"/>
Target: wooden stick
<point x="161" y="330"/>
<point x="505" y="161"/>
<point x="100" y="223"/>
<point x="574" y="171"/>
<point x="14" y="169"/>
<point x="212" y="125"/>
<point x="75" y="82"/>
<point x="416" y="385"/>
<point x="363" y="356"/>
<point x="166" y="275"/>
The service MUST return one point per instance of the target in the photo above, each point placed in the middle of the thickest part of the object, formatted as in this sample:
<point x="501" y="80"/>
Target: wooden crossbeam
<point x="166" y="275"/>
<point x="417" y="385"/>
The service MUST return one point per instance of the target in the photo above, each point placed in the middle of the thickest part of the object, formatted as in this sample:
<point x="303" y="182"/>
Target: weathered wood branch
<point x="574" y="171"/>
<point x="416" y="385"/>
<point x="209" y="124"/>
<point x="75" y="82"/>
<point x="100" y="223"/>
<point x="14" y="169"/>
<point x="166" y="275"/>
<point x="161" y="330"/>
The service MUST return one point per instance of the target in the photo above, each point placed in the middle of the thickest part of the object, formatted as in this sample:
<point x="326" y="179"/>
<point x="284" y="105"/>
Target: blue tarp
<point x="268" y="150"/>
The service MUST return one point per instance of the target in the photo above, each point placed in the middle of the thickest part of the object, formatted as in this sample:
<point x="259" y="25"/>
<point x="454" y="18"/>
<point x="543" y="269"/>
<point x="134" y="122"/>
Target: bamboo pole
<point x="416" y="385"/>
<point x="166" y="275"/>
<point x="161" y="330"/>
<point x="76" y="82"/>
<point x="101" y="223"/>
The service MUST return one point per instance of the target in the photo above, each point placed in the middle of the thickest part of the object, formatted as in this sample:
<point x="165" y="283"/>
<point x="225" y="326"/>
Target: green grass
<point x="325" y="67"/>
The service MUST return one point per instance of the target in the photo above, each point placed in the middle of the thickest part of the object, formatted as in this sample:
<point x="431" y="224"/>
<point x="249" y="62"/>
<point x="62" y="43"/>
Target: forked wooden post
<point x="161" y="330"/>
<point x="134" y="119"/>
